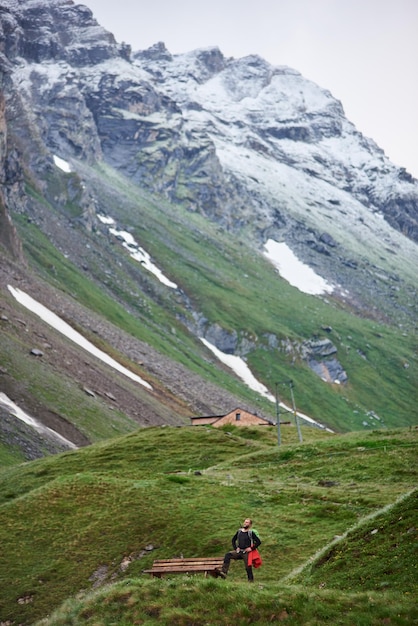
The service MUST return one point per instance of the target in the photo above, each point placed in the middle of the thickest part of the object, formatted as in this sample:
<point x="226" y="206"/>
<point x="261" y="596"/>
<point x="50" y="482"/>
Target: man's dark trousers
<point x="237" y="556"/>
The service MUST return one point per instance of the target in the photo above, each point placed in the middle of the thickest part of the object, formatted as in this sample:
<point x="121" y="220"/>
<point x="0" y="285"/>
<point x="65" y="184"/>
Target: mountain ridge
<point x="203" y="160"/>
<point x="134" y="105"/>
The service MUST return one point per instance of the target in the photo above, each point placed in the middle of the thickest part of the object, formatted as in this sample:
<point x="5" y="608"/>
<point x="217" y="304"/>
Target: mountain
<point x="158" y="204"/>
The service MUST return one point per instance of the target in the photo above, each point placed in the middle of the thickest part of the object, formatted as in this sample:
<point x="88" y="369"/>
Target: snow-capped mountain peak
<point x="249" y="145"/>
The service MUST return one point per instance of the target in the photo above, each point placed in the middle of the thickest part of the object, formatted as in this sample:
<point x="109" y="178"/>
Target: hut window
<point x="237" y="416"/>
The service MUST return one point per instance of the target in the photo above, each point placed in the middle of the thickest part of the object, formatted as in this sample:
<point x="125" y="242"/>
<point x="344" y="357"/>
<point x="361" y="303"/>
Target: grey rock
<point x="224" y="340"/>
<point x="330" y="370"/>
<point x="36" y="352"/>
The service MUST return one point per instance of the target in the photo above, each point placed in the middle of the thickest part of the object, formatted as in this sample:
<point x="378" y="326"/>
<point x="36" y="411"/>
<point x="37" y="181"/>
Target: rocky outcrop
<point x="8" y="236"/>
<point x="9" y="175"/>
<point x="57" y="29"/>
<point x="320" y="355"/>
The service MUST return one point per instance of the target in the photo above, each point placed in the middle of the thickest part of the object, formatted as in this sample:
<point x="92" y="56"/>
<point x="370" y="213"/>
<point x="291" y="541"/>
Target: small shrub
<point x="178" y="478"/>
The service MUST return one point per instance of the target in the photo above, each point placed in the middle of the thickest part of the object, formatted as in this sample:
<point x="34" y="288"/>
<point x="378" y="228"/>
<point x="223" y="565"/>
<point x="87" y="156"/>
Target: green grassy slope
<point x="198" y="602"/>
<point x="379" y="553"/>
<point x="42" y="385"/>
<point x="236" y="288"/>
<point x="67" y="521"/>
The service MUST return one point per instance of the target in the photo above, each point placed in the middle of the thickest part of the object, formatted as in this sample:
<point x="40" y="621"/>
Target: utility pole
<point x="279" y="440"/>
<point x="294" y="411"/>
<point x="290" y="383"/>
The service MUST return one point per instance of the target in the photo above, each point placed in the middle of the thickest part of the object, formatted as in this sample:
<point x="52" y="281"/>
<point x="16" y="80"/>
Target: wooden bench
<point x="185" y="566"/>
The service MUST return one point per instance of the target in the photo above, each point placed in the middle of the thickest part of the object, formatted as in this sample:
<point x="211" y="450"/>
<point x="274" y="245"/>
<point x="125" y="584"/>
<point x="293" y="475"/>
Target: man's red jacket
<point x="254" y="558"/>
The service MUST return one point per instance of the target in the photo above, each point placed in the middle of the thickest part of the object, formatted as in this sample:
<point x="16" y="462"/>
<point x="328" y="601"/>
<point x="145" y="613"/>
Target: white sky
<point x="364" y="51"/>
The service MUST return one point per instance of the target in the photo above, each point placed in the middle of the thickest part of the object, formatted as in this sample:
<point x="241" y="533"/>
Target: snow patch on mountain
<point x="241" y="369"/>
<point x="65" y="329"/>
<point x="294" y="271"/>
<point x="136" y="252"/>
<point x="34" y="423"/>
<point x="62" y="164"/>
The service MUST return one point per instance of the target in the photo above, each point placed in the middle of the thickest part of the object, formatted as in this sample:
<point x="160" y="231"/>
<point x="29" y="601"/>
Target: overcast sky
<point x="364" y="51"/>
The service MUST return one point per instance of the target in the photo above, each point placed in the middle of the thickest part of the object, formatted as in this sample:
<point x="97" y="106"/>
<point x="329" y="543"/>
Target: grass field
<point x="102" y="514"/>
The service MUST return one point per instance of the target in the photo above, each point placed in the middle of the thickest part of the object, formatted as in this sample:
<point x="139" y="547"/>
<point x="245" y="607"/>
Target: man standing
<point x="244" y="542"/>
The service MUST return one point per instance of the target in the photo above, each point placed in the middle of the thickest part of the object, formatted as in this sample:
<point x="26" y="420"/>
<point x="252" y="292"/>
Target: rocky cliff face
<point x="249" y="145"/>
<point x="10" y="180"/>
<point x="185" y="124"/>
<point x="276" y="114"/>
